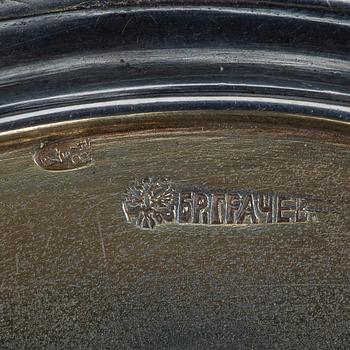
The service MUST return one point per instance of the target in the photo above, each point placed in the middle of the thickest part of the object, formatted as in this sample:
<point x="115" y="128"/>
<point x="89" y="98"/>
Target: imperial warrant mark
<point x="154" y="201"/>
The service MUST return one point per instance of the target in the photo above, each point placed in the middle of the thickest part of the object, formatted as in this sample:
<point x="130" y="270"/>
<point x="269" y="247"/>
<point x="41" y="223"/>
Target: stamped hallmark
<point x="64" y="155"/>
<point x="153" y="201"/>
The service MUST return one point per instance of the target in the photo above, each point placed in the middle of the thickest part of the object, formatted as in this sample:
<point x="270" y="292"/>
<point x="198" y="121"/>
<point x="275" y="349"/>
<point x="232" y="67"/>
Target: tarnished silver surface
<point x="174" y="177"/>
<point x="243" y="229"/>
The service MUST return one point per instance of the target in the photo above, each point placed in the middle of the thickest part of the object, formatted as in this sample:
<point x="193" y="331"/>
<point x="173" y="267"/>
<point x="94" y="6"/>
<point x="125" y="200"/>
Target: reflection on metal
<point x="233" y="117"/>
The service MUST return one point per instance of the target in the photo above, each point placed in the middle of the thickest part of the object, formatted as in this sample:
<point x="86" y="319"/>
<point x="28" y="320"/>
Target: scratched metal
<point x="75" y="274"/>
<point x="174" y="174"/>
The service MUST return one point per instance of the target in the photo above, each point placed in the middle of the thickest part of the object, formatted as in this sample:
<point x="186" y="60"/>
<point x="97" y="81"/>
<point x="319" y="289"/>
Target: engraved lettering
<point x="153" y="201"/>
<point x="286" y="209"/>
<point x="201" y="208"/>
<point x="218" y="209"/>
<point x="246" y="212"/>
<point x="264" y="210"/>
<point x="233" y="203"/>
<point x="185" y="208"/>
<point x="302" y="213"/>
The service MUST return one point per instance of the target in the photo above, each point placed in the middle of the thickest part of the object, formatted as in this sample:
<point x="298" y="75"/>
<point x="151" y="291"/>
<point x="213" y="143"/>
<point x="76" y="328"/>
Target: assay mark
<point x="64" y="155"/>
<point x="153" y="200"/>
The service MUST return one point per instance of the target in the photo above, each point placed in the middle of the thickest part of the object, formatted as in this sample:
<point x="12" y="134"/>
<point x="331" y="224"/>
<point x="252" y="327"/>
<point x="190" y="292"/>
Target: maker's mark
<point x="153" y="200"/>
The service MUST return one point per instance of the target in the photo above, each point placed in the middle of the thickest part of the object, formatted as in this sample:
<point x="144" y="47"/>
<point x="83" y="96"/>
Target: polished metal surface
<point x="174" y="177"/>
